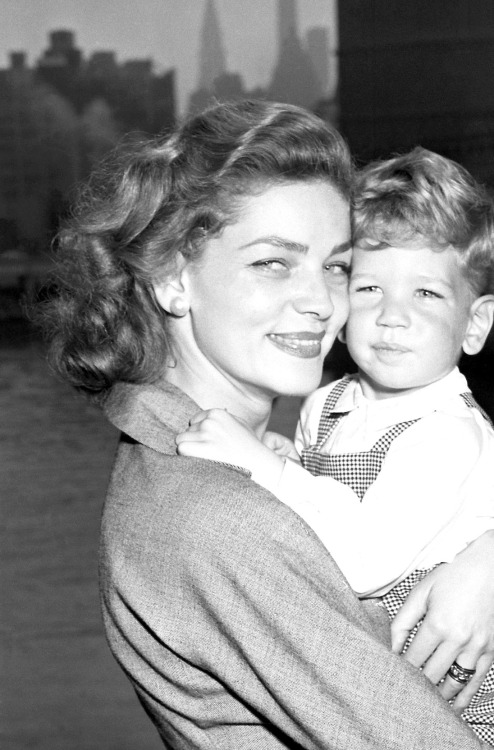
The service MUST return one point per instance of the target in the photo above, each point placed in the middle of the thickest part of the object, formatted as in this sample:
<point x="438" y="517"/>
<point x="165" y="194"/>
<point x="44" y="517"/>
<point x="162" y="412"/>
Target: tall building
<point x="287" y="20"/>
<point x="294" y="79"/>
<point x="413" y="74"/>
<point x="212" y="62"/>
<point x="318" y="51"/>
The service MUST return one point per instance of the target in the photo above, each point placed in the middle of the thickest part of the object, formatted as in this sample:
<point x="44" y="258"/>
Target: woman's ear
<point x="171" y="293"/>
<point x="479" y="325"/>
<point x="341" y="336"/>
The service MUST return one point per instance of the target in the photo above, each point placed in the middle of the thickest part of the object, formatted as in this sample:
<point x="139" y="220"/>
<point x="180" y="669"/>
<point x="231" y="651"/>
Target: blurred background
<point x="75" y="77"/>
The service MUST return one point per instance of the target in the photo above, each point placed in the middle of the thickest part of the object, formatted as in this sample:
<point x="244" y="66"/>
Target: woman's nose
<point x="314" y="298"/>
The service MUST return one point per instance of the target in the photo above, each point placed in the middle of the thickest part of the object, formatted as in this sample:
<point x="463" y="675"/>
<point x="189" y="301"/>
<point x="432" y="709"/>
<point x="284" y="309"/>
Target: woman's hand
<point x="457" y="602"/>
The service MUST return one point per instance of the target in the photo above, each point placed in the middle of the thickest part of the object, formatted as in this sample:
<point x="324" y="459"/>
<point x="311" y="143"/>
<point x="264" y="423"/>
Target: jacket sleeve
<point x="242" y="592"/>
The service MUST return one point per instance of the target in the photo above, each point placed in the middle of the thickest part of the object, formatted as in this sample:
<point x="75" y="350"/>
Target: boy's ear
<point x="172" y="293"/>
<point x="481" y="319"/>
<point x="341" y="335"/>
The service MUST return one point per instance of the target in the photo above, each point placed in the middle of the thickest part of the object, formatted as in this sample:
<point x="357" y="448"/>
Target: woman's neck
<point x="213" y="391"/>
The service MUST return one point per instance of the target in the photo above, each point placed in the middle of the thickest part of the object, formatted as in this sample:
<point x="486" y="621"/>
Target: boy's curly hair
<point x="422" y="195"/>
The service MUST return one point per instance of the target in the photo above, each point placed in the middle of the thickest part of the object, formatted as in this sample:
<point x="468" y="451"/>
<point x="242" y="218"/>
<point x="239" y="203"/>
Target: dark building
<point x="139" y="99"/>
<point x="61" y="117"/>
<point x="60" y="66"/>
<point x="39" y="152"/>
<point x="419" y="72"/>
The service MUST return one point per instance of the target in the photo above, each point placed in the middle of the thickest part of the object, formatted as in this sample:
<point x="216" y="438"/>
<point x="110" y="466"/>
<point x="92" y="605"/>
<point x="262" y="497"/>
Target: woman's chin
<point x="300" y="387"/>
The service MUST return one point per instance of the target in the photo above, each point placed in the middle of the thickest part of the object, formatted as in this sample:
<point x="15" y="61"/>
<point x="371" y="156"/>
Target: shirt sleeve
<point x="308" y="421"/>
<point x="434" y="495"/>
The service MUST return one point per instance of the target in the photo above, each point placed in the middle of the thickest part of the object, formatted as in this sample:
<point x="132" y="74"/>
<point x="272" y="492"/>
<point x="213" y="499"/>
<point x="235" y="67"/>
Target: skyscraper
<point x="318" y="50"/>
<point x="294" y="79"/>
<point x="212" y="62"/>
<point x="287" y="20"/>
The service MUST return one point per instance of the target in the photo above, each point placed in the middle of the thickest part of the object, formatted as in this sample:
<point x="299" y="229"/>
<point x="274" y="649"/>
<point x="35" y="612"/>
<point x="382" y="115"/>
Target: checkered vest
<point x="357" y="470"/>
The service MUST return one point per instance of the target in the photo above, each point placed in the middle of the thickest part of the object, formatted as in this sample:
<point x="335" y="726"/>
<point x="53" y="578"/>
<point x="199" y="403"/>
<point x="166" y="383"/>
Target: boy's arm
<point x="218" y="436"/>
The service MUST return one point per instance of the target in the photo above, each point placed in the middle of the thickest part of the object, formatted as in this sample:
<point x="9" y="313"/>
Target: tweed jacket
<point x="232" y="621"/>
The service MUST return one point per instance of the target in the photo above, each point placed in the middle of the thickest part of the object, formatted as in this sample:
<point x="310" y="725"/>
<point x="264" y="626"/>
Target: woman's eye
<point x="338" y="270"/>
<point x="270" y="264"/>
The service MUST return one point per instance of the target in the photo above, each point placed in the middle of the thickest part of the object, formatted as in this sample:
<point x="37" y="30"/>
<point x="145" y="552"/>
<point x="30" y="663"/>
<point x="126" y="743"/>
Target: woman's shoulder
<point x="190" y="496"/>
<point x="197" y="523"/>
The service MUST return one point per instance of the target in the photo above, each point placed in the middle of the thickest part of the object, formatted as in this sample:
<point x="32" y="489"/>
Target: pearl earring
<point x="178" y="307"/>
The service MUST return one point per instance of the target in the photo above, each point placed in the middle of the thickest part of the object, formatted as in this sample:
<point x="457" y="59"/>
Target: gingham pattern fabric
<point x="357" y="470"/>
<point x="480" y="713"/>
<point x="470" y="401"/>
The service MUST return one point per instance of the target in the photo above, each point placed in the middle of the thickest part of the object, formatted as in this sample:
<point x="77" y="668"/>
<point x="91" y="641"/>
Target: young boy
<point x="404" y="434"/>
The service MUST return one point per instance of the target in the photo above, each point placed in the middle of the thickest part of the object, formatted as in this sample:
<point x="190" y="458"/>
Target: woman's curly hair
<point x="150" y="202"/>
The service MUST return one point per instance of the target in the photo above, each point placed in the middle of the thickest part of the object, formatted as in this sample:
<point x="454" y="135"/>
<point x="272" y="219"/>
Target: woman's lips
<point x="303" y="344"/>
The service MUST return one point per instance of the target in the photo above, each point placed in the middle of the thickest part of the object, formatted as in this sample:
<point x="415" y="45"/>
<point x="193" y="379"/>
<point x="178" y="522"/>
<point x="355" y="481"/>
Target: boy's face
<point x="410" y="308"/>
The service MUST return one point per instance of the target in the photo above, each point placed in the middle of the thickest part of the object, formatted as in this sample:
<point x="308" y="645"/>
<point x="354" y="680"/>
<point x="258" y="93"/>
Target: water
<point x="61" y="689"/>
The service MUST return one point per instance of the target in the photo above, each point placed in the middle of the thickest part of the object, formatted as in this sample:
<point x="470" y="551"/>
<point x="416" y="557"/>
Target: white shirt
<point x="434" y="494"/>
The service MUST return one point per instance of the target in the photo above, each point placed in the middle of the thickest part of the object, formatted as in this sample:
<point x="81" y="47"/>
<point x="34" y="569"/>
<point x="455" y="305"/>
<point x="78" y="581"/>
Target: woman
<point x="210" y="271"/>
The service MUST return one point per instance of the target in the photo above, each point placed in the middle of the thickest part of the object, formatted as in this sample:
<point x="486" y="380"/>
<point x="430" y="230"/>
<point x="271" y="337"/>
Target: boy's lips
<point x="391" y="348"/>
<point x="305" y="344"/>
<point x="390" y="352"/>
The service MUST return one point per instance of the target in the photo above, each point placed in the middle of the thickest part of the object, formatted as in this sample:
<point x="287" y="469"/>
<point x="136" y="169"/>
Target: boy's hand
<point x="281" y="445"/>
<point x="218" y="436"/>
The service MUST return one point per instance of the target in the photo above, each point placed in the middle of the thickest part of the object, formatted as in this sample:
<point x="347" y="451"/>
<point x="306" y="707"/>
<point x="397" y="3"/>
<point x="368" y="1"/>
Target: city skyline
<point x="168" y="32"/>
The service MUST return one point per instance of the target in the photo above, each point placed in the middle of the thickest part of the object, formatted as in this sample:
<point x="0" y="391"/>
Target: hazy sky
<point x="166" y="30"/>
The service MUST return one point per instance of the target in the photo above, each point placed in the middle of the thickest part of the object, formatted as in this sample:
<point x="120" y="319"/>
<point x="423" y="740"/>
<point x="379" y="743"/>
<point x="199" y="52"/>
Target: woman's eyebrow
<point x="296" y="247"/>
<point x="286" y="244"/>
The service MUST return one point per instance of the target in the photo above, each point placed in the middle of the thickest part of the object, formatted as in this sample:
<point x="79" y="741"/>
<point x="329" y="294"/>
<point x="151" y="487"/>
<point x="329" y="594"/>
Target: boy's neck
<point x="377" y="392"/>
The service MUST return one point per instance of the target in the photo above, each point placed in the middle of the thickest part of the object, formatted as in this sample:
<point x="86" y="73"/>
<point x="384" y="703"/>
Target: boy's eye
<point x="428" y="293"/>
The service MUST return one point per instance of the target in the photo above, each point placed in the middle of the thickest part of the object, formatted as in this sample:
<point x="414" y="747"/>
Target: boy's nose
<point x="393" y="314"/>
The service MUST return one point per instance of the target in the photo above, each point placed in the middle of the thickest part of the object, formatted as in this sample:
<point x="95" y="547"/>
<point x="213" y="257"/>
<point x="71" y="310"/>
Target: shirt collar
<point x="152" y="414"/>
<point x="408" y="406"/>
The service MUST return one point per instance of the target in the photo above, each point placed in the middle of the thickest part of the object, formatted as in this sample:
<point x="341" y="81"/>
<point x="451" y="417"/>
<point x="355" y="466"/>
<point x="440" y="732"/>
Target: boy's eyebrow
<point x="296" y="247"/>
<point x="423" y="279"/>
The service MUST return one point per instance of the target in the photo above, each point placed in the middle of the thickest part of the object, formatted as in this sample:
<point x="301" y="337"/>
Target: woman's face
<point x="267" y="297"/>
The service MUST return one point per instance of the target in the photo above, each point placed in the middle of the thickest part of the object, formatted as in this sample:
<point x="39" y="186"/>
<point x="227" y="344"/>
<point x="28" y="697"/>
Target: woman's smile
<point x="299" y="344"/>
